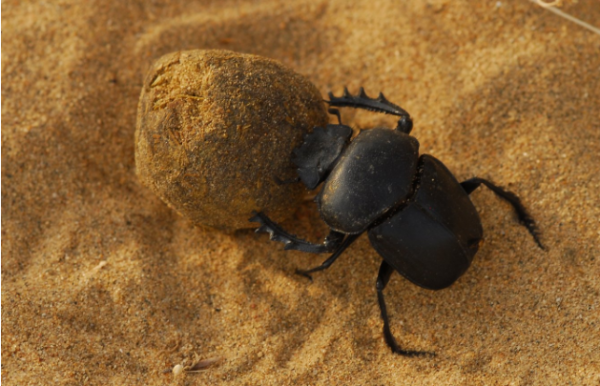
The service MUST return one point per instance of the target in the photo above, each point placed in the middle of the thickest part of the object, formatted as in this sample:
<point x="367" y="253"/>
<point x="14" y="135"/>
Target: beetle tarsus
<point x="385" y="271"/>
<point x="524" y="217"/>
<point x="276" y="233"/>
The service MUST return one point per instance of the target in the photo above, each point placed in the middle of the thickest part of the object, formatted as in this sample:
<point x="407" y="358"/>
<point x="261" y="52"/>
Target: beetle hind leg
<point x="385" y="271"/>
<point x="276" y="233"/>
<point x="524" y="217"/>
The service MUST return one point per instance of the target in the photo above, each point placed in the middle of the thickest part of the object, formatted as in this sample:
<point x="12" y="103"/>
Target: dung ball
<point x="215" y="129"/>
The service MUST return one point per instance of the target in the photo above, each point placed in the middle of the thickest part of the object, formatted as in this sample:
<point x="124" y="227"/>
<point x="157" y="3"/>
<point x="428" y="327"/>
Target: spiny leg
<point x="385" y="271"/>
<point x="524" y="217"/>
<point x="379" y="105"/>
<point x="276" y="233"/>
<point x="327" y="263"/>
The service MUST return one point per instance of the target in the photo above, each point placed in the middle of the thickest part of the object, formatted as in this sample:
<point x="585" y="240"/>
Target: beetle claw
<point x="305" y="274"/>
<point x="276" y="233"/>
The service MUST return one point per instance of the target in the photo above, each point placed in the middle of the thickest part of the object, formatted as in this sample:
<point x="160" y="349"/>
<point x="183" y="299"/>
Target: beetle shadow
<point x="304" y="314"/>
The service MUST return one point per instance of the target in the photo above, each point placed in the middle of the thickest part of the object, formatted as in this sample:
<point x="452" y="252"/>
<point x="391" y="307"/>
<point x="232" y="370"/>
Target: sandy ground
<point x="102" y="284"/>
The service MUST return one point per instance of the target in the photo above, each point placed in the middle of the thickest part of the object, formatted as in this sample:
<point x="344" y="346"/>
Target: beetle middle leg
<point x="276" y="233"/>
<point x="327" y="263"/>
<point x="385" y="271"/>
<point x="524" y="217"/>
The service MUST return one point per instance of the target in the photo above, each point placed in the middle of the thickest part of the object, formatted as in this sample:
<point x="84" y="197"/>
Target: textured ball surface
<point x="214" y="130"/>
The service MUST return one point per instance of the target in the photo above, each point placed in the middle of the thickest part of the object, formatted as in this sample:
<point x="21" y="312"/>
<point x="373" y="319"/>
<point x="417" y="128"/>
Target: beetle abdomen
<point x="373" y="175"/>
<point x="433" y="239"/>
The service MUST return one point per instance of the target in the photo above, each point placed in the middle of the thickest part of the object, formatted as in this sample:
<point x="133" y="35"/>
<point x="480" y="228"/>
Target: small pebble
<point x="177" y="370"/>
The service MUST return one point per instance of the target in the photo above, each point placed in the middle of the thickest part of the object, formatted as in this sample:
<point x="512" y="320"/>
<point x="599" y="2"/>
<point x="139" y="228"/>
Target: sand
<point x="103" y="284"/>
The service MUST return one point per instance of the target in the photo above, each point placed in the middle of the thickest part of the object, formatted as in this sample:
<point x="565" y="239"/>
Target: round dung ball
<point x="215" y="129"/>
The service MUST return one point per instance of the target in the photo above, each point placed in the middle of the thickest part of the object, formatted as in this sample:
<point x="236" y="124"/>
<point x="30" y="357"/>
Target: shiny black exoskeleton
<point x="419" y="218"/>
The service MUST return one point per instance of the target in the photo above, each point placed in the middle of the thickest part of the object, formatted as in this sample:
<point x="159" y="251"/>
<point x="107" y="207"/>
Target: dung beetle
<point x="419" y="218"/>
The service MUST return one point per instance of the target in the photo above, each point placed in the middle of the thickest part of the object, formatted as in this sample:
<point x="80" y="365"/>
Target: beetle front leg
<point x="379" y="104"/>
<point x="276" y="233"/>
<point x="385" y="271"/>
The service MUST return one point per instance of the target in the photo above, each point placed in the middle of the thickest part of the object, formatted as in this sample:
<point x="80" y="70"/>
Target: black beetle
<point x="418" y="216"/>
